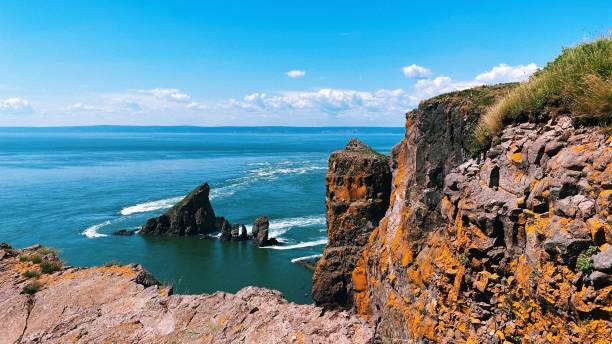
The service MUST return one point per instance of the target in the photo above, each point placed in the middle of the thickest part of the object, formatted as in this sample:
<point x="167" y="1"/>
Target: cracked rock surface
<point x="511" y="246"/>
<point x="125" y="304"/>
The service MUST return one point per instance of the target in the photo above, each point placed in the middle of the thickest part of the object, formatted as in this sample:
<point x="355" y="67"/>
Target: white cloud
<point x="342" y="102"/>
<point x="327" y="100"/>
<point x="414" y="71"/>
<point x="196" y="106"/>
<point x="167" y="94"/>
<point x="505" y="73"/>
<point x="296" y="73"/>
<point x="80" y="107"/>
<point x="427" y="88"/>
<point x="15" y="106"/>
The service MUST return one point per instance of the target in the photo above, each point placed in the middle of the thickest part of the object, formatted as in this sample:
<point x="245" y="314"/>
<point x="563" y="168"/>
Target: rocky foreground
<point x="44" y="302"/>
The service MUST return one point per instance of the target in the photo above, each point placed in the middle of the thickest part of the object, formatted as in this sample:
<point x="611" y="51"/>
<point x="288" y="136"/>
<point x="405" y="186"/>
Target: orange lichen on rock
<point x="493" y="242"/>
<point x="360" y="288"/>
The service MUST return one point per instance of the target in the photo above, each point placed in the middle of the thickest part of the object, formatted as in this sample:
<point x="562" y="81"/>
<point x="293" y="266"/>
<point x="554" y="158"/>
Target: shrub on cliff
<point x="578" y="81"/>
<point x="49" y="267"/>
<point x="31" y="274"/>
<point x="31" y="288"/>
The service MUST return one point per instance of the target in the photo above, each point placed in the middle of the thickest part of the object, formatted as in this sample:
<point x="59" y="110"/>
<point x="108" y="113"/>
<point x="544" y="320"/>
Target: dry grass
<point x="579" y="82"/>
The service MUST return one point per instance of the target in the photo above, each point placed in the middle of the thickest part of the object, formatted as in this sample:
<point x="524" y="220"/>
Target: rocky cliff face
<point x="358" y="185"/>
<point x="498" y="248"/>
<point x="124" y="304"/>
<point x="192" y="215"/>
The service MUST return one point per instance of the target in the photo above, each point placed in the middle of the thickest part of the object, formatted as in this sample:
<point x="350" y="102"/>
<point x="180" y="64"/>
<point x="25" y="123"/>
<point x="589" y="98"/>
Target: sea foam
<point x="92" y="232"/>
<point x="299" y="245"/>
<point x="299" y="259"/>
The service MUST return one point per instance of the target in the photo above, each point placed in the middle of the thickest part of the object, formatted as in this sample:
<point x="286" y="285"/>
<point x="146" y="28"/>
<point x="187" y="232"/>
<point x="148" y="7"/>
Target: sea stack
<point x="358" y="185"/>
<point x="260" y="232"/>
<point x="193" y="215"/>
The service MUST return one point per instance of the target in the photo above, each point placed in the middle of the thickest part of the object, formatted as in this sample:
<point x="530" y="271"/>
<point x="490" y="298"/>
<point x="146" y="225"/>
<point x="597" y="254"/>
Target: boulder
<point x="603" y="260"/>
<point x="225" y="227"/>
<point x="193" y="215"/>
<point x="260" y="232"/>
<point x="600" y="279"/>
<point x="125" y="232"/>
<point x="239" y="233"/>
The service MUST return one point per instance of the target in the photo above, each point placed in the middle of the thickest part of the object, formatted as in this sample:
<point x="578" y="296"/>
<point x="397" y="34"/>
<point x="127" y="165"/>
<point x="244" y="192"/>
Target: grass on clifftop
<point x="578" y="81"/>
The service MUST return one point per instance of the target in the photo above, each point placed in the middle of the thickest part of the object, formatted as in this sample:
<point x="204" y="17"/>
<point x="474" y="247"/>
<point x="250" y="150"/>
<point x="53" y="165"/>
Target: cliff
<point x="358" y="184"/>
<point x="44" y="302"/>
<point x="512" y="245"/>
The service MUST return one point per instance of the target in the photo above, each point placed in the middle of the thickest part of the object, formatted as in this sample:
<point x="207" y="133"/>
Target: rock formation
<point x="260" y="232"/>
<point x="191" y="216"/>
<point x="512" y="246"/>
<point x="124" y="304"/>
<point x="358" y="185"/>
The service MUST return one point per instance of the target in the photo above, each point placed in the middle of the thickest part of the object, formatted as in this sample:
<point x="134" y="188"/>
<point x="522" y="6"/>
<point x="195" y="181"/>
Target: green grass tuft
<point x="43" y="251"/>
<point x="584" y="262"/>
<point x="34" y="258"/>
<point x="31" y="274"/>
<point x="49" y="267"/>
<point x="31" y="288"/>
<point x="578" y="81"/>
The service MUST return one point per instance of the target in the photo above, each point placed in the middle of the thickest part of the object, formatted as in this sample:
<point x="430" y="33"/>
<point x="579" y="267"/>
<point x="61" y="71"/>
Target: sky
<point x="307" y="63"/>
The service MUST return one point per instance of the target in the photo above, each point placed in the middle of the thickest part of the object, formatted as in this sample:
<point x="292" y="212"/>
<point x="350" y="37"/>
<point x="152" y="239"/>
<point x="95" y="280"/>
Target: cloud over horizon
<point x="15" y="106"/>
<point x="382" y="101"/>
<point x="381" y="104"/>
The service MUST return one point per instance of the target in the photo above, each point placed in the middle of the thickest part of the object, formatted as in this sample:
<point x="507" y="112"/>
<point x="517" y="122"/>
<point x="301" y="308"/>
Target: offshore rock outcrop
<point x="125" y="304"/>
<point x="191" y="216"/>
<point x="512" y="246"/>
<point x="358" y="185"/>
<point x="260" y="233"/>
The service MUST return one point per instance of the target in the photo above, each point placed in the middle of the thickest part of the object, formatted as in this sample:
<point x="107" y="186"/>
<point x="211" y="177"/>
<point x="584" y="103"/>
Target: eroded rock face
<point x="491" y="250"/>
<point x="358" y="185"/>
<point x="191" y="216"/>
<point x="124" y="304"/>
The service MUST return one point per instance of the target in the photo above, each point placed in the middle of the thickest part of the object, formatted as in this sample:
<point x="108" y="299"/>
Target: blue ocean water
<point x="69" y="188"/>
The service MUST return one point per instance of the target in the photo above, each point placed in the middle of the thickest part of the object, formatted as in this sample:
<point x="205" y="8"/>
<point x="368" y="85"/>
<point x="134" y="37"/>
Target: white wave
<point x="281" y="226"/>
<point x="169" y="202"/>
<point x="299" y="259"/>
<point x="92" y="232"/>
<point x="265" y="171"/>
<point x="299" y="245"/>
<point x="151" y="206"/>
<point x="272" y="171"/>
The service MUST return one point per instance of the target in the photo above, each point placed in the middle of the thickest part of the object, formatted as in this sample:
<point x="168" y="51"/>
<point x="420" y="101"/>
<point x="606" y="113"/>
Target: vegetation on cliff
<point x="578" y="81"/>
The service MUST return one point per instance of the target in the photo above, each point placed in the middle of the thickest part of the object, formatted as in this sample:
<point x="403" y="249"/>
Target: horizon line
<point x="188" y="126"/>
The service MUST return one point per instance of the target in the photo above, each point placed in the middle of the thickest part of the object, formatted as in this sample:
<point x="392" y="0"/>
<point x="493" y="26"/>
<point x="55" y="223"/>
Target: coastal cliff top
<point x="123" y="303"/>
<point x="357" y="148"/>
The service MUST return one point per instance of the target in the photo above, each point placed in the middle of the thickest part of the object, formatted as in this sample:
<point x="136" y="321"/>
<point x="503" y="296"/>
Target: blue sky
<point x="268" y="62"/>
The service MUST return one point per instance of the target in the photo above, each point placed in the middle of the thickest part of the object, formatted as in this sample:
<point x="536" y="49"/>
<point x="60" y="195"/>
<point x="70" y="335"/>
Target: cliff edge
<point x="512" y="245"/>
<point x="41" y="301"/>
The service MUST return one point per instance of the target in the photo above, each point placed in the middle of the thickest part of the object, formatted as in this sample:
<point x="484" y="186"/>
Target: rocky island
<point x="191" y="216"/>
<point x="194" y="215"/>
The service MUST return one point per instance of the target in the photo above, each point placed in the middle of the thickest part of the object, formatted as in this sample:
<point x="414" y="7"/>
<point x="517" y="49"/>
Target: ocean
<point x="70" y="188"/>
